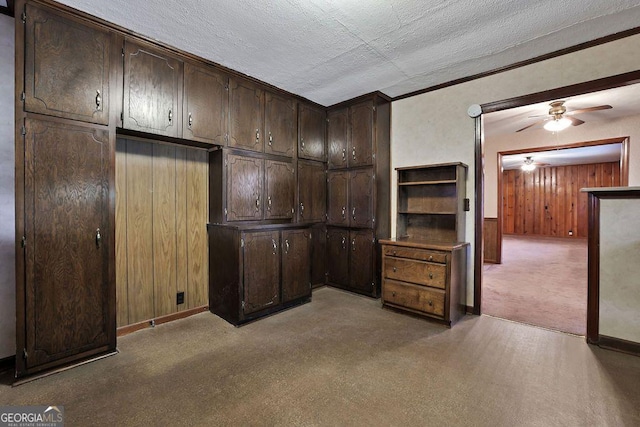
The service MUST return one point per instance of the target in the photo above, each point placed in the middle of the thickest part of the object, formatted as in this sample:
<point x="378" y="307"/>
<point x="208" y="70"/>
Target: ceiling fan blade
<point x="575" y="122"/>
<point x="528" y="126"/>
<point x="586" y="110"/>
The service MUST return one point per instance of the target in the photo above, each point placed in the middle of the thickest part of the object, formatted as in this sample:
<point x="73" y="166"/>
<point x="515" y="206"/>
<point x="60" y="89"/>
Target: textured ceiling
<point x="332" y="50"/>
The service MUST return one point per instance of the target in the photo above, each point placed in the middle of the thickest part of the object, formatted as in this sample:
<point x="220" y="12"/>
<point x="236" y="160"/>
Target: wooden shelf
<point x="440" y="182"/>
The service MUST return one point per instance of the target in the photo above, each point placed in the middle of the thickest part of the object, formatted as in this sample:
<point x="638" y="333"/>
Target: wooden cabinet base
<point x="425" y="278"/>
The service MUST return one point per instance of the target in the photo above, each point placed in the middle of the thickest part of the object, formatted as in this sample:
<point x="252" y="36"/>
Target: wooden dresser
<point x="425" y="278"/>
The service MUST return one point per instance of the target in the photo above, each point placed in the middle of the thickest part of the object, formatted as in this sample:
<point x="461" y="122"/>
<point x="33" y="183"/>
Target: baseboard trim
<point x="617" y="344"/>
<point x="125" y="330"/>
<point x="8" y="364"/>
<point x="470" y="309"/>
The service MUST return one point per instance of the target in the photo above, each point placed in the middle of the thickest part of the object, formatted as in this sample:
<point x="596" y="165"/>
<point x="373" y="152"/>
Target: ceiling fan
<point x="559" y="118"/>
<point x="529" y="164"/>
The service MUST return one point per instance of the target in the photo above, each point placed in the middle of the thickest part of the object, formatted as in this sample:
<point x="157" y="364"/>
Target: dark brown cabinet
<point x="68" y="289"/>
<point x="279" y="178"/>
<point x="358" y="191"/>
<point x="311" y="139"/>
<point x="253" y="188"/>
<point x="244" y="180"/>
<point x="261" y="258"/>
<point x="296" y="259"/>
<point x="255" y="272"/>
<point x="246" y="109"/>
<point x="337" y="138"/>
<point x="352" y="260"/>
<point x="205" y="115"/>
<point x="280" y="125"/>
<point x="67" y="66"/>
<point x="351" y="198"/>
<point x="152" y="90"/>
<point x="312" y="191"/>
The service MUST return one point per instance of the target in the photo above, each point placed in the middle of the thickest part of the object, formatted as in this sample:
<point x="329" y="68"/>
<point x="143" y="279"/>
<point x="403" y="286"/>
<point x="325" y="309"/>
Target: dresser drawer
<point x="415" y="297"/>
<point x="419" y="254"/>
<point x="420" y="272"/>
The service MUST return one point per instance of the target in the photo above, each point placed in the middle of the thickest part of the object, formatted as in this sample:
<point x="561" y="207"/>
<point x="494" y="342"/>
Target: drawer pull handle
<point x="430" y="303"/>
<point x="395" y="269"/>
<point x="430" y="275"/>
<point x="430" y="257"/>
<point x="393" y="294"/>
<point x="394" y="253"/>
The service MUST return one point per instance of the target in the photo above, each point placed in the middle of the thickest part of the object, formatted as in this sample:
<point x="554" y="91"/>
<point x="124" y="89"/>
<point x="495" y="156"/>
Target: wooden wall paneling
<point x="197" y="215"/>
<point x="182" y="251"/>
<point x="164" y="229"/>
<point x="140" y="230"/>
<point x="122" y="302"/>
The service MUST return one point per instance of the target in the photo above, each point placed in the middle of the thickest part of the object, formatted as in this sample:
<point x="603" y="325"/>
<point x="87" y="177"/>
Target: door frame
<point x="610" y="82"/>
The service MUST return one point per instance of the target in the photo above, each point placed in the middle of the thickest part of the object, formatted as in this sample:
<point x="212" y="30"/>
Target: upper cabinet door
<point x="279" y="180"/>
<point x="337" y="138"/>
<point x="361" y="140"/>
<point x="280" y="125"/>
<point x="246" y="108"/>
<point x="205" y="116"/>
<point x="361" y="198"/>
<point x="66" y="67"/>
<point x="244" y="188"/>
<point x="152" y="83"/>
<point x="338" y="189"/>
<point x="312" y="191"/>
<point x="312" y="127"/>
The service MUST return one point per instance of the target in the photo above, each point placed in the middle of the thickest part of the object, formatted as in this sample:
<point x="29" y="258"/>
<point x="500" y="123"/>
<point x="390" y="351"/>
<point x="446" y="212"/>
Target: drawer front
<point x="419" y="254"/>
<point x="420" y="272"/>
<point x="415" y="297"/>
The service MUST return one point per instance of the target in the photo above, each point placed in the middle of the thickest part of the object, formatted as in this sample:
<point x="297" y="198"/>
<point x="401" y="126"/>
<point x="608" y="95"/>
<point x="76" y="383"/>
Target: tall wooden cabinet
<point x="425" y="266"/>
<point x="358" y="192"/>
<point x="65" y="144"/>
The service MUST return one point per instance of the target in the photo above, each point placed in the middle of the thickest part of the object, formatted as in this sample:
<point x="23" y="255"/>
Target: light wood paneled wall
<point x="548" y="201"/>
<point x="161" y="239"/>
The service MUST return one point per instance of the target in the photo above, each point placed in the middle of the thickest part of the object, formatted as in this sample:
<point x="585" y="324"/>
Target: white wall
<point x="434" y="127"/>
<point x="589" y="131"/>
<point x="7" y="192"/>
<point x="620" y="269"/>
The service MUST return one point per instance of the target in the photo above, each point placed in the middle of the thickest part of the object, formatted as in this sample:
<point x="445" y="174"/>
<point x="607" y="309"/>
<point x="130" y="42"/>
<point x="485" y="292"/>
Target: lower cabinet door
<point x="296" y="277"/>
<point x="361" y="261"/>
<point x="261" y="256"/>
<point x="338" y="256"/>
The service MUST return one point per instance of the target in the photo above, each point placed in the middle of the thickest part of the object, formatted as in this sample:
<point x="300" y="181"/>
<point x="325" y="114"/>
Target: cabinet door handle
<point x="353" y="245"/>
<point x="286" y="246"/>
<point x="344" y="212"/>
<point x="344" y="243"/>
<point x="344" y="154"/>
<point x="301" y="209"/>
<point x="269" y="203"/>
<point x="98" y="238"/>
<point x="257" y="203"/>
<point x="302" y="144"/>
<point x="98" y="100"/>
<point x="257" y="135"/>
<point x="190" y="120"/>
<point x="270" y="139"/>
<point x="353" y="213"/>
<point x="170" y="117"/>
<point x="275" y="246"/>
<point x="353" y="153"/>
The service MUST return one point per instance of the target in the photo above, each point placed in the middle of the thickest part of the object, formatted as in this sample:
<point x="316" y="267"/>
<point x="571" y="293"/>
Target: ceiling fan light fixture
<point x="528" y="165"/>
<point x="557" y="124"/>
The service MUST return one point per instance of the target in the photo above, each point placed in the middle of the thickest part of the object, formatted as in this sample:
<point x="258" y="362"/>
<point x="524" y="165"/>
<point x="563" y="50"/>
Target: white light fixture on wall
<point x="557" y="124"/>
<point x="528" y="165"/>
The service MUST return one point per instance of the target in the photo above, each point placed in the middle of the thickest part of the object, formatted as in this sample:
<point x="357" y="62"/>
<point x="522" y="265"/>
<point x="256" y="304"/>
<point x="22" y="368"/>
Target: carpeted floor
<point x="341" y="360"/>
<point x="542" y="281"/>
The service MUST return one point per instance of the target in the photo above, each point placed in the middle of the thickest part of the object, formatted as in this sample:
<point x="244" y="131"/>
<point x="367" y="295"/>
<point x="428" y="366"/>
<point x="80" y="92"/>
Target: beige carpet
<point x="340" y="361"/>
<point x="542" y="281"/>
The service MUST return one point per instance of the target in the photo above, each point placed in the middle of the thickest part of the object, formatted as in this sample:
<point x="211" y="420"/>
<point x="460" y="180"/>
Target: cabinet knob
<point x="170" y="117"/>
<point x="430" y="257"/>
<point x="430" y="275"/>
<point x="190" y="120"/>
<point x="394" y="253"/>
<point x="393" y="293"/>
<point x="395" y="269"/>
<point x="430" y="303"/>
<point x="98" y="100"/>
